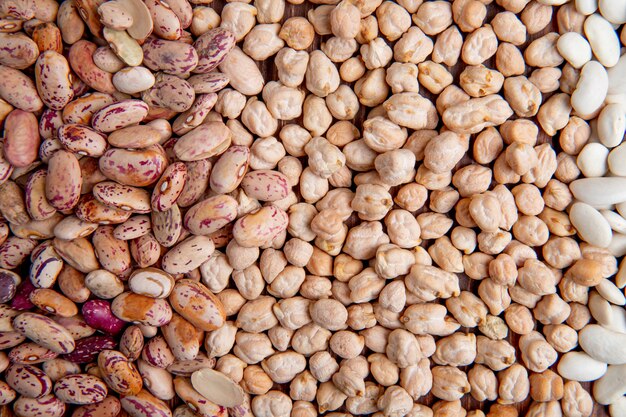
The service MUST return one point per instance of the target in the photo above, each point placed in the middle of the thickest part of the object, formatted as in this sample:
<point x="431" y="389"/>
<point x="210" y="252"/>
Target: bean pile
<point x="428" y="207"/>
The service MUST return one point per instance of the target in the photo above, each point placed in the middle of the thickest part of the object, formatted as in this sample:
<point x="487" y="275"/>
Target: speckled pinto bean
<point x="123" y="197"/>
<point x="81" y="109"/>
<point x="266" y="185"/>
<point x="19" y="51"/>
<point x="137" y="168"/>
<point x="229" y="169"/>
<point x="31" y="353"/>
<point x="46" y="406"/>
<point x="210" y="82"/>
<point x="91" y="210"/>
<point x="132" y="228"/>
<point x="213" y="47"/>
<point x="19" y="90"/>
<point x="138" y="308"/>
<point x="35" y="199"/>
<point x="198" y="305"/>
<point x="45" y="332"/>
<point x="64" y="180"/>
<point x="14" y="251"/>
<point x="134" y="137"/>
<point x="53" y="80"/>
<point x="171" y="57"/>
<point x="260" y="227"/>
<point x="196" y="114"/>
<point x="151" y="282"/>
<point x="113" y="253"/>
<point x="28" y="380"/>
<point x="170" y="92"/>
<point x="53" y="302"/>
<point x="7" y="394"/>
<point x="170" y="185"/>
<point x="82" y="140"/>
<point x="109" y="407"/>
<point x="144" y="404"/>
<point x="119" y="115"/>
<point x="206" y="140"/>
<point x="80" y="389"/>
<point x="81" y="61"/>
<point x="195" y="401"/>
<point x="210" y="215"/>
<point x="119" y="373"/>
<point x="21" y="142"/>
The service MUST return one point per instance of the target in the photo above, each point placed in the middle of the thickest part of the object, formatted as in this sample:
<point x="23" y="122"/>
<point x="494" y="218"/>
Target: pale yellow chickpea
<point x="345" y="20"/>
<point x="510" y="61"/>
<point x="433" y="17"/>
<point x="509" y="28"/>
<point x="297" y="32"/>
<point x="469" y="15"/>
<point x="352" y="69"/>
<point x="447" y="48"/>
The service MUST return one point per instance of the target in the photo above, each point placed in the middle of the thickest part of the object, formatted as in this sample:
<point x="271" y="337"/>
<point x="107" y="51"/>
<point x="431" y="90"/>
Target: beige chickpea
<point x="343" y="104"/>
<point x="434" y="225"/>
<point x="480" y="81"/>
<point x="376" y="54"/>
<point x="283" y="102"/>
<point x="468" y="14"/>
<point x="303" y="408"/>
<point x="485" y="209"/>
<point x="272" y="404"/>
<point x="487" y="146"/>
<point x="249" y="282"/>
<point x="433" y="17"/>
<point x="402" y="77"/>
<point x="240" y="135"/>
<point x="537" y="354"/>
<point x="531" y="230"/>
<point x="367" y="402"/>
<point x="368" y="29"/>
<point x="291" y="66"/>
<point x="346" y="344"/>
<point x="339" y="49"/>
<point x="365" y="286"/>
<point x="514" y="384"/>
<point x="322" y="77"/>
<point x="457" y="349"/>
<point x="393" y="20"/>
<point x="579" y="316"/>
<point x="447" y="47"/>
<point x="263" y="41"/>
<point x="303" y="387"/>
<point x="561" y="337"/>
<point x="434" y="77"/>
<point x="510" y="61"/>
<point x="494" y="295"/>
<point x="467" y="309"/>
<point x="395" y="401"/>
<point x="372" y="89"/>
<point x="483" y="383"/>
<point x="476" y="265"/>
<point x="265" y="153"/>
<point x="352" y="69"/>
<point x="514" y="6"/>
<point x="557" y="195"/>
<point x="329" y="397"/>
<point x="297" y="33"/>
<point x="280" y="337"/>
<point x="528" y="199"/>
<point x="569" y="19"/>
<point x="342" y="133"/>
<point x="269" y="11"/>
<point x="503" y="270"/>
<point x="239" y="18"/>
<point x="574" y="135"/>
<point x="204" y="19"/>
<point x="509" y="28"/>
<point x="316" y="288"/>
<point x="536" y="16"/>
<point x="345" y="20"/>
<point x="384" y="371"/>
<point x="230" y="103"/>
<point x="252" y="348"/>
<point x="361" y="316"/>
<point x="542" y="52"/>
<point x="231" y="366"/>
<point x="316" y="116"/>
<point x="546" y="79"/>
<point x="232" y="301"/>
<point x="321" y="263"/>
<point x="444" y="200"/>
<point x="472" y="179"/>
<point x="322" y="366"/>
<point x="449" y="383"/>
<point x="414" y="46"/>
<point x="464" y="239"/>
<point x="479" y="46"/>
<point x="446" y="256"/>
<point x="320" y="19"/>
<point x="496" y="354"/>
<point x="493" y="243"/>
<point x="256" y="381"/>
<point x="522" y="95"/>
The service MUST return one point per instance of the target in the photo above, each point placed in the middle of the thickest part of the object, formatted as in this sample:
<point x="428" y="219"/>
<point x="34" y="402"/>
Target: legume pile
<point x="416" y="209"/>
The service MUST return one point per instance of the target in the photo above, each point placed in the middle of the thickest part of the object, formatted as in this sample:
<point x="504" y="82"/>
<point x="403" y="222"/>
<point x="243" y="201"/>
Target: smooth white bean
<point x="617" y="160"/>
<point x="603" y="39"/>
<point x="617" y="77"/>
<point x="574" y="48"/>
<point x="612" y="125"/>
<point x="600" y="191"/>
<point x="592" y="160"/>
<point x="613" y="10"/>
<point x="590" y="90"/>
<point x="591" y="225"/>
<point x="586" y="7"/>
<point x="578" y="366"/>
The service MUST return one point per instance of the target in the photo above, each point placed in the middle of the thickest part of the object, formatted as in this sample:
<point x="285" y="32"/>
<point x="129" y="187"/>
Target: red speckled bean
<point x="266" y="185"/>
<point x="113" y="254"/>
<point x="171" y="57"/>
<point x="45" y="332"/>
<point x="97" y="314"/>
<point x="109" y="407"/>
<point x="35" y="199"/>
<point x="144" y="404"/>
<point x="133" y="228"/>
<point x="197" y="304"/>
<point x="211" y="214"/>
<point x="81" y="61"/>
<point x="82" y="140"/>
<point x="82" y="109"/>
<point x="123" y="197"/>
<point x="212" y="47"/>
<point x="19" y="90"/>
<point x="21" y="143"/>
<point x="119" y="373"/>
<point x="168" y="188"/>
<point x="87" y="349"/>
<point x="31" y="353"/>
<point x="28" y="380"/>
<point x="157" y="353"/>
<point x="14" y="251"/>
<point x="64" y="180"/>
<point x="138" y="168"/>
<point x="260" y="227"/>
<point x="91" y="210"/>
<point x="47" y="406"/>
<point x="80" y="389"/>
<point x="141" y="309"/>
<point x="119" y="115"/>
<point x="53" y="80"/>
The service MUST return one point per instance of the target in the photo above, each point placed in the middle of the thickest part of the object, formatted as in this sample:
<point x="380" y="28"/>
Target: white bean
<point x="617" y="222"/>
<point x="574" y="48"/>
<point x="591" y="226"/>
<point x="592" y="160"/>
<point x="617" y="160"/>
<point x="590" y="90"/>
<point x="586" y="7"/>
<point x="617" y="77"/>
<point x="613" y="10"/>
<point x="578" y="366"/>
<point x="603" y="39"/>
<point x="600" y="191"/>
<point x="612" y="124"/>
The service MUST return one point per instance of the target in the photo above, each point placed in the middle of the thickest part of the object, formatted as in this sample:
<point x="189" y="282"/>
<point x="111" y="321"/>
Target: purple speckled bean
<point x="7" y="394"/>
<point x="171" y="57"/>
<point x="48" y="147"/>
<point x="6" y="321"/>
<point x="166" y="24"/>
<point x="123" y="197"/>
<point x="144" y="404"/>
<point x="211" y="82"/>
<point x="28" y="380"/>
<point x="80" y="389"/>
<point x="194" y="117"/>
<point x="45" y="332"/>
<point x="212" y="47"/>
<point x="47" y="406"/>
<point x="10" y="339"/>
<point x="91" y="210"/>
<point x="87" y="349"/>
<point x="78" y="253"/>
<point x="14" y="251"/>
<point x="49" y="122"/>
<point x="157" y="353"/>
<point x="197" y="304"/>
<point x="137" y="168"/>
<point x="82" y="140"/>
<point x="242" y="410"/>
<point x="118" y="115"/>
<point x="53" y="80"/>
<point x="31" y="353"/>
<point x="76" y="326"/>
<point x="19" y="90"/>
<point x="35" y="199"/>
<point x="188" y="255"/>
<point x="64" y="180"/>
<point x="119" y="373"/>
<point x="21" y="300"/>
<point x="18" y="51"/>
<point x="8" y="286"/>
<point x="109" y="407"/>
<point x="135" y="137"/>
<point x="210" y="215"/>
<point x="97" y="314"/>
<point x="167" y="190"/>
<point x="18" y="9"/>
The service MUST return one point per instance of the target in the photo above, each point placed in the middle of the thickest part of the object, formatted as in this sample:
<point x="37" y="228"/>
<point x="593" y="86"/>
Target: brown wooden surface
<point x="269" y="71"/>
